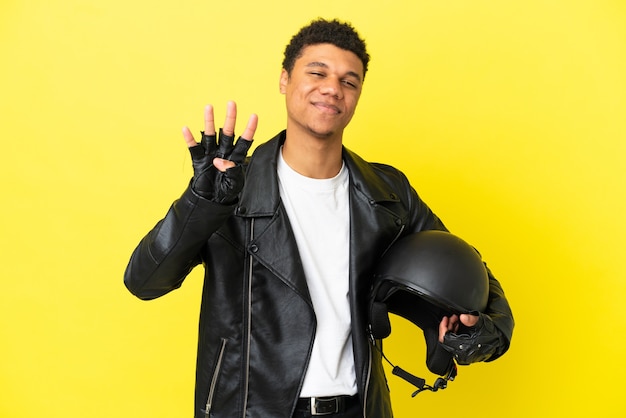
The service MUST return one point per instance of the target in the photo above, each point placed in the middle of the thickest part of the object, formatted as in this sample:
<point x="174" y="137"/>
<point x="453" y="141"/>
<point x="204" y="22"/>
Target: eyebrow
<point x="324" y="65"/>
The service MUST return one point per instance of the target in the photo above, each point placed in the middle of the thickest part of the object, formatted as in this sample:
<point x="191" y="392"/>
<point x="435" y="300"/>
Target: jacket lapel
<point x="373" y="225"/>
<point x="272" y="241"/>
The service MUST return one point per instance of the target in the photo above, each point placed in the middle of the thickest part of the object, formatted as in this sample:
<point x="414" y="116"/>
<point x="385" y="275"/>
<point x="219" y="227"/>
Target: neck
<point x="318" y="158"/>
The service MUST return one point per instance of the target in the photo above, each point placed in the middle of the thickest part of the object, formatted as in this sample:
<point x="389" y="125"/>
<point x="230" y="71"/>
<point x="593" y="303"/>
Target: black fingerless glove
<point x="208" y="181"/>
<point x="474" y="344"/>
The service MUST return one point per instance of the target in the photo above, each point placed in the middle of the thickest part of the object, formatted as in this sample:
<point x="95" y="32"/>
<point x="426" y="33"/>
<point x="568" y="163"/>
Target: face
<point x="322" y="91"/>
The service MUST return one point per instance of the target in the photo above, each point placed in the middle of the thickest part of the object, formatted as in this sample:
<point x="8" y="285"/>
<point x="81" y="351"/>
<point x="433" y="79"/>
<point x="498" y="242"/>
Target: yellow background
<point x="509" y="117"/>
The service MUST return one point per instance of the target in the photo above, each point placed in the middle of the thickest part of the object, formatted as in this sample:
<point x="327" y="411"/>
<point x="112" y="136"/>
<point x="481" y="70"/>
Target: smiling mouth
<point x="327" y="108"/>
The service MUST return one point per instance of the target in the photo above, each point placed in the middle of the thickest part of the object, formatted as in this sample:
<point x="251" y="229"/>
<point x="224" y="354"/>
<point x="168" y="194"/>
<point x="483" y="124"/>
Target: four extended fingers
<point x="229" y="124"/>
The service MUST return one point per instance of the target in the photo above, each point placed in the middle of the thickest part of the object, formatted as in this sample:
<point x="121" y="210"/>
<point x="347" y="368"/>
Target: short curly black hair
<point x="322" y="31"/>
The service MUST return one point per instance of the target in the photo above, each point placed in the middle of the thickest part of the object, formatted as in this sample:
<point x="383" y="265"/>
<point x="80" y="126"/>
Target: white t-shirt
<point x="319" y="213"/>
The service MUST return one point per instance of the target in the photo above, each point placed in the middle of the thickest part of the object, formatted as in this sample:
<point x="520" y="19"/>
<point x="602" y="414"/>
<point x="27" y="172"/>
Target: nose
<point x="332" y="86"/>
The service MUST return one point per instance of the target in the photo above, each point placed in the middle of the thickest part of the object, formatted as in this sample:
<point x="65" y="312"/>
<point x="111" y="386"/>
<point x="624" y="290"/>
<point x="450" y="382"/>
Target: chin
<point x="322" y="133"/>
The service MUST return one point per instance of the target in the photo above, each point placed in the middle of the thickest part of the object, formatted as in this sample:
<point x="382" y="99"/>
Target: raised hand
<point x="218" y="174"/>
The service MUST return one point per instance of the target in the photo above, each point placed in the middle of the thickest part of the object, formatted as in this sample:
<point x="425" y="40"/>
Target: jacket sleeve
<point x="499" y="311"/>
<point x="421" y="218"/>
<point x="167" y="254"/>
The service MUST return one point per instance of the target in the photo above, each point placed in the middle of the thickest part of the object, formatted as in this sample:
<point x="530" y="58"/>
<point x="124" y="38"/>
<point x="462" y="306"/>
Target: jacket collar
<point x="261" y="197"/>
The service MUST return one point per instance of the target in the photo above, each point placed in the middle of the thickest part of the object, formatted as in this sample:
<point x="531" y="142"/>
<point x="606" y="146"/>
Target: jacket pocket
<point x="216" y="374"/>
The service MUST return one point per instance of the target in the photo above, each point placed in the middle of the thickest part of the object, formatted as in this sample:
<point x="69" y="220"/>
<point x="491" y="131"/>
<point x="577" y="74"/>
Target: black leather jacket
<point x="257" y="322"/>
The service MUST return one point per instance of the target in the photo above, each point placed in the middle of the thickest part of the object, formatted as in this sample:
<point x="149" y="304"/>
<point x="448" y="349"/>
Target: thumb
<point x="469" y="320"/>
<point x="222" y="165"/>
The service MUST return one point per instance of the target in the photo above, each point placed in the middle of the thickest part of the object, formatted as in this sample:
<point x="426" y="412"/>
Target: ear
<point x="284" y="80"/>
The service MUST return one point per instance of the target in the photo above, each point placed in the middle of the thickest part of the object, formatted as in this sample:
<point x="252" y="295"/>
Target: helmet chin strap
<point x="418" y="382"/>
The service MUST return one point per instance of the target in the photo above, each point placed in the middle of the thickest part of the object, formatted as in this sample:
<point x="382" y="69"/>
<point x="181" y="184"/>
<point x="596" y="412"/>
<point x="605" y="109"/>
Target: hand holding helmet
<point x="474" y="343"/>
<point x="425" y="277"/>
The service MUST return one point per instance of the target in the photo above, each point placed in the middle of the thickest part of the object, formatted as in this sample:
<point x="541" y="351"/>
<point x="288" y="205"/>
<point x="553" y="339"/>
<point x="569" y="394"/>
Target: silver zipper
<point x="369" y="351"/>
<point x="216" y="373"/>
<point x="249" y="332"/>
<point x="367" y="383"/>
<point x="394" y="240"/>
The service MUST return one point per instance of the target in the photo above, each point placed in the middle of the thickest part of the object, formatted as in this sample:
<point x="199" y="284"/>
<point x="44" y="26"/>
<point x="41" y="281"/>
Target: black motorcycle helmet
<point x="423" y="277"/>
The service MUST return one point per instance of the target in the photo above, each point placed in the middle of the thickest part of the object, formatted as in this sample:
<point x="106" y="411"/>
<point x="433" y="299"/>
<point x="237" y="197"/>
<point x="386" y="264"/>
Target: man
<point x="289" y="240"/>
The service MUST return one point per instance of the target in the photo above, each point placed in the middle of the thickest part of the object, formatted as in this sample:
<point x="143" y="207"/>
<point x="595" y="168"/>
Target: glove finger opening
<point x="240" y="150"/>
<point x="209" y="143"/>
<point x="225" y="145"/>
